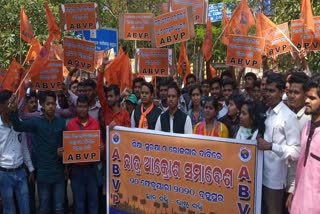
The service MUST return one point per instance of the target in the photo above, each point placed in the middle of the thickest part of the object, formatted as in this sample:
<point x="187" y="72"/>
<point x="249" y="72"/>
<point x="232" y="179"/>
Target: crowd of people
<point x="281" y="112"/>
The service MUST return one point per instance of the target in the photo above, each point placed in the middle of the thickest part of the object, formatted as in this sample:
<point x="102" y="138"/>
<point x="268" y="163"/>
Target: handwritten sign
<point x="183" y="174"/>
<point x="199" y="8"/>
<point x="79" y="53"/>
<point x="276" y="42"/>
<point x="81" y="146"/>
<point x="154" y="61"/>
<point x="49" y="78"/>
<point x="135" y="26"/>
<point x="173" y="27"/>
<point x="245" y="51"/>
<point x="302" y="37"/>
<point x="79" y="16"/>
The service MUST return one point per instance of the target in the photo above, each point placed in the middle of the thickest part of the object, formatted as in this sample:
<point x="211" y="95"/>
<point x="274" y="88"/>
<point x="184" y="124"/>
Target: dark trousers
<point x="272" y="200"/>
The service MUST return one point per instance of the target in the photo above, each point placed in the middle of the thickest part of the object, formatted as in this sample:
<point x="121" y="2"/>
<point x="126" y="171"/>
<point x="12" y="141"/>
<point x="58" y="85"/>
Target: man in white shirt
<point x="281" y="142"/>
<point x="14" y="154"/>
<point x="174" y="120"/>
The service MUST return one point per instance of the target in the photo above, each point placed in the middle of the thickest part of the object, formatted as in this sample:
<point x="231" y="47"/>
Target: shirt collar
<point x="301" y="112"/>
<point x="276" y="109"/>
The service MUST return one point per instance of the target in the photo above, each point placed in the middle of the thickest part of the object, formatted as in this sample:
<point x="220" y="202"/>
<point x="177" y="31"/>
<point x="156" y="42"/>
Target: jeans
<point x="84" y="184"/>
<point x="14" y="182"/>
<point x="51" y="197"/>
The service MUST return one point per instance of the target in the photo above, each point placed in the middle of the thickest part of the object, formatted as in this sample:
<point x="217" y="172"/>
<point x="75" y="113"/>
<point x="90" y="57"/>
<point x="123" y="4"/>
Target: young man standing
<point x="85" y="177"/>
<point x="249" y="79"/>
<point x="174" y="120"/>
<point x="146" y="114"/>
<point x="13" y="154"/>
<point x="48" y="130"/>
<point x="280" y="143"/>
<point x="136" y="87"/>
<point x="163" y="94"/>
<point x="307" y="181"/>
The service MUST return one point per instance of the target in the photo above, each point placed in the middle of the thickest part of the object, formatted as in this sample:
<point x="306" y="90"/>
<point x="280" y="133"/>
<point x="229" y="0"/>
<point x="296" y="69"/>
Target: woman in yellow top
<point x="211" y="126"/>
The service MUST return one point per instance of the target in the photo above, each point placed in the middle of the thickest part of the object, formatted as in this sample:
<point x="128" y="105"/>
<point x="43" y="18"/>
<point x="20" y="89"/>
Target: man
<point x="174" y="120"/>
<point x="163" y="94"/>
<point x="228" y="88"/>
<point x="85" y="177"/>
<point x="216" y="88"/>
<point x="280" y="143"/>
<point x="191" y="80"/>
<point x="296" y="102"/>
<point x="14" y="153"/>
<point x="48" y="130"/>
<point x="307" y="188"/>
<point x="249" y="79"/>
<point x="74" y="87"/>
<point x="131" y="104"/>
<point x="146" y="114"/>
<point x="136" y="86"/>
<point x="114" y="115"/>
<point x="205" y="88"/>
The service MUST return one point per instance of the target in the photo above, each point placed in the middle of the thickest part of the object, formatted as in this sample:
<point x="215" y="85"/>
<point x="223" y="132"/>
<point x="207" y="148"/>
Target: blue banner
<point x="215" y="12"/>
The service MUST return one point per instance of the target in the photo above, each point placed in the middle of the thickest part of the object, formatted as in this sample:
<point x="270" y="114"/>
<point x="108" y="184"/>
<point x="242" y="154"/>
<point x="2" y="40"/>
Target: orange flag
<point x="183" y="62"/>
<point x="26" y="32"/>
<point x="13" y="76"/>
<point x="265" y="27"/>
<point x="53" y="28"/>
<point x="119" y="71"/>
<point x="306" y="15"/>
<point x="213" y="71"/>
<point x="241" y="19"/>
<point x="33" y="50"/>
<point x="207" y="42"/>
<point x="225" y="27"/>
<point x="41" y="60"/>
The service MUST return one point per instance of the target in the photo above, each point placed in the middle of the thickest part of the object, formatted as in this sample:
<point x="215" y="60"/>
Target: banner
<point x="174" y="27"/>
<point x="79" y="53"/>
<point x="79" y="16"/>
<point x="245" y="51"/>
<point x="154" y="61"/>
<point x="135" y="26"/>
<point x="164" y="7"/>
<point x="199" y="8"/>
<point x="300" y="33"/>
<point x="81" y="146"/>
<point x="157" y="172"/>
<point x="278" y="43"/>
<point x="215" y="12"/>
<point x="50" y="78"/>
<point x="104" y="38"/>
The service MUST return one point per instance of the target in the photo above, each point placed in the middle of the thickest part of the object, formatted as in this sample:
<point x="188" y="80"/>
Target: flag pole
<point x="215" y="43"/>
<point x="285" y="36"/>
<point x="21" y="82"/>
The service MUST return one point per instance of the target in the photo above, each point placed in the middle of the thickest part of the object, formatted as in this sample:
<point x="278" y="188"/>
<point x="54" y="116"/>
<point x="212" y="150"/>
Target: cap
<point x="132" y="98"/>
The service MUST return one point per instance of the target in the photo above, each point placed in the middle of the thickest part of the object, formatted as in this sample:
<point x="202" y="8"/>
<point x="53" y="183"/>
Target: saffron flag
<point x="119" y="71"/>
<point x="53" y="28"/>
<point x="13" y="76"/>
<point x="183" y="62"/>
<point x="207" y="42"/>
<point x="42" y="59"/>
<point x="241" y="19"/>
<point x="26" y="32"/>
<point x="213" y="71"/>
<point x="33" y="50"/>
<point x="306" y="15"/>
<point x="265" y="28"/>
<point x="225" y="28"/>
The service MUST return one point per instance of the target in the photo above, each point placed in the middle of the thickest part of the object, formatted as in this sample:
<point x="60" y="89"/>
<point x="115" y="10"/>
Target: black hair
<point x="83" y="99"/>
<point x="5" y="96"/>
<point x="254" y="114"/>
<point x="214" y="102"/>
<point x="81" y="84"/>
<point x="228" y="81"/>
<point x="193" y="88"/>
<point x="215" y="80"/>
<point x="313" y="84"/>
<point x="251" y="74"/>
<point x="189" y="76"/>
<point x="238" y="100"/>
<point x="163" y="82"/>
<point x="136" y="80"/>
<point x="73" y="82"/>
<point x="31" y="94"/>
<point x="205" y="82"/>
<point x="149" y="85"/>
<point x="175" y="87"/>
<point x="266" y="73"/>
<point x="316" y="78"/>
<point x="226" y="73"/>
<point x="278" y="79"/>
<point x="299" y="78"/>
<point x="44" y="94"/>
<point x="257" y="84"/>
<point x="90" y="83"/>
<point x="114" y="88"/>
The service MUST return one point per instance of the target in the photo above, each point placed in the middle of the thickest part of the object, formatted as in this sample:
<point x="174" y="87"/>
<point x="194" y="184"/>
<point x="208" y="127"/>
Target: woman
<point x="248" y="122"/>
<point x="195" y="112"/>
<point x="211" y="126"/>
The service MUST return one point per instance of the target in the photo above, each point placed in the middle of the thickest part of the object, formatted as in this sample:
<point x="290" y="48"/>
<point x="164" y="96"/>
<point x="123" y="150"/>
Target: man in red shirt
<point x="85" y="177"/>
